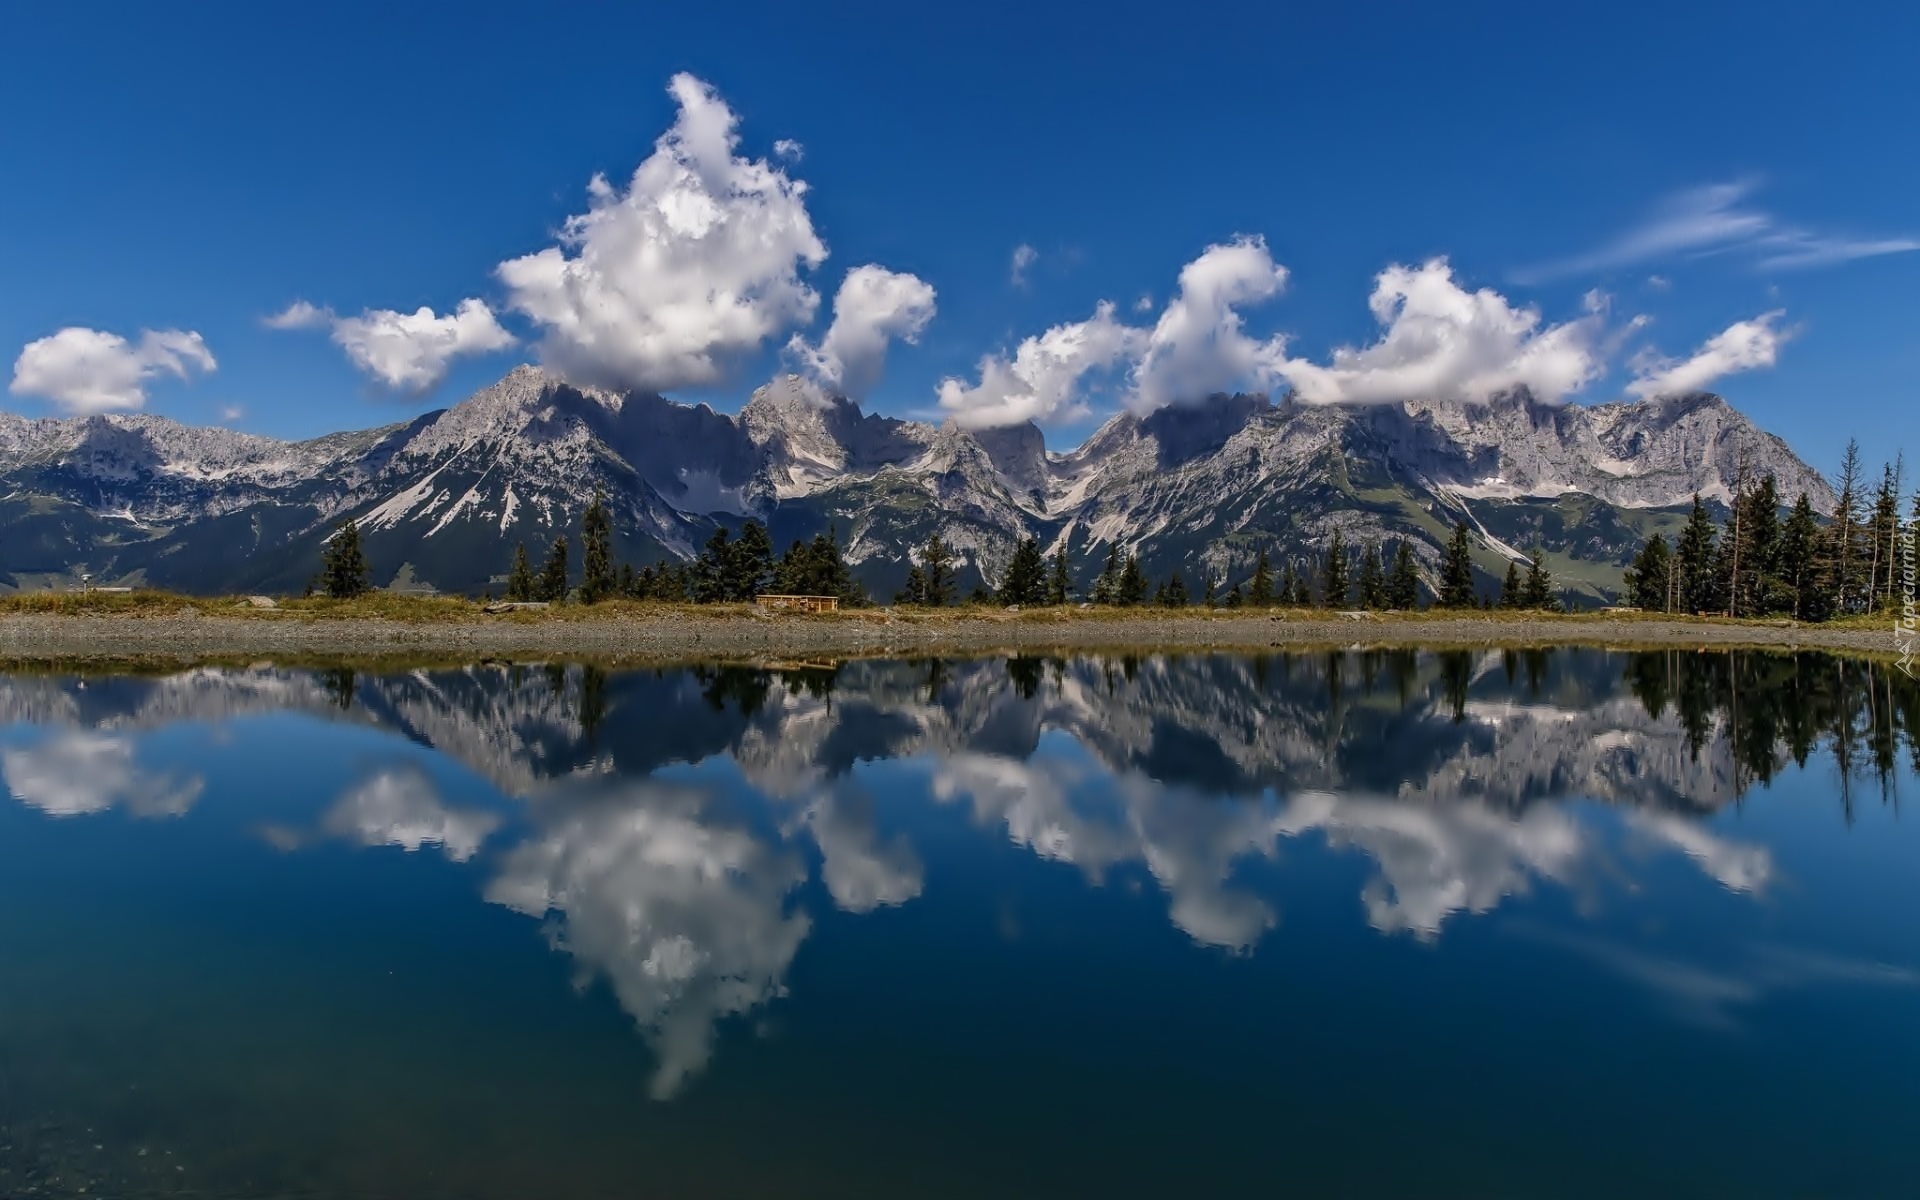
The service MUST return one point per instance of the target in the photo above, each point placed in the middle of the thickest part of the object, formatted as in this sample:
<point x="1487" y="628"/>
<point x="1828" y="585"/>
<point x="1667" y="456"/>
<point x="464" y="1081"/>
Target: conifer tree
<point x="1883" y="526"/>
<point x="750" y="567"/>
<point x="1133" y="583"/>
<point x="937" y="573"/>
<point x="1175" y="592"/>
<point x="1289" y="583"/>
<point x="1060" y="586"/>
<point x="915" y="590"/>
<point x="1234" y="599"/>
<point x="1373" y="579"/>
<point x="1260" y="593"/>
<point x="520" y="575"/>
<point x="1456" y="574"/>
<point x="1403" y="583"/>
<point x="710" y="569"/>
<point x="1510" y="587"/>
<point x="1211" y="595"/>
<point x="1025" y="582"/>
<point x="597" y="581"/>
<point x="343" y="565"/>
<point x="1646" y="579"/>
<point x="1695" y="560"/>
<point x="1799" y="565"/>
<point x="1106" y="586"/>
<point x="553" y="576"/>
<point x="1841" y="557"/>
<point x="1539" y="593"/>
<point x="1336" y="577"/>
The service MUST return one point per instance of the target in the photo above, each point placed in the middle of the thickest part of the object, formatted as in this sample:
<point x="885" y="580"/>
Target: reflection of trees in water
<point x="338" y="682"/>
<point x="1762" y="704"/>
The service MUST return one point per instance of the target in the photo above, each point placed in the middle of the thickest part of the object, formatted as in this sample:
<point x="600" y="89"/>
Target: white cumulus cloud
<point x="82" y="772"/>
<point x="1742" y="346"/>
<point x="401" y="808"/>
<point x="873" y="307"/>
<point x="408" y="352"/>
<point x="411" y="352"/>
<point x="90" y="371"/>
<point x="1042" y="380"/>
<point x="696" y="263"/>
<point x="1197" y="347"/>
<point x="1440" y="341"/>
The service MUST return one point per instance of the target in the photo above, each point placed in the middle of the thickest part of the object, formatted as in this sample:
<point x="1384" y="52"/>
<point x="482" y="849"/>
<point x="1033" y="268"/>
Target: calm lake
<point x="1529" y="923"/>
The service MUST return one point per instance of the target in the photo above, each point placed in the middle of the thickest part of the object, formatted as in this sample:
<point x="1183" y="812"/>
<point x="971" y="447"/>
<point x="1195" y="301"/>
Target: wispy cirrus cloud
<point x="1717" y="219"/>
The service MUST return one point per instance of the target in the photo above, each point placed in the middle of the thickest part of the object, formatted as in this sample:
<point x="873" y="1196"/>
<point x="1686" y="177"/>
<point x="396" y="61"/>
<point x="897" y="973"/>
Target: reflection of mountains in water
<point x="1680" y="730"/>
<point x="1437" y="767"/>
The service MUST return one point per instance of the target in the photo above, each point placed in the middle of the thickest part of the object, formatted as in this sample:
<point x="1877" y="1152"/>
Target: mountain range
<point x="442" y="499"/>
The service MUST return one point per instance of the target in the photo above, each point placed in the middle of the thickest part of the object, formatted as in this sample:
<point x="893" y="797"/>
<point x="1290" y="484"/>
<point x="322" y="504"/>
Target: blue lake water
<point x="1525" y="923"/>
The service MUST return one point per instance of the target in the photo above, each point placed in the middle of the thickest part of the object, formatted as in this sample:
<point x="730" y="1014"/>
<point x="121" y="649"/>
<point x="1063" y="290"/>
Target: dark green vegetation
<point x="1757" y="564"/>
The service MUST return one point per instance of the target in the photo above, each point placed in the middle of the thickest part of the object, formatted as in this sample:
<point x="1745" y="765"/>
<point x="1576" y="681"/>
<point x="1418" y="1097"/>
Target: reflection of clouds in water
<point x="1708" y="996"/>
<point x="1437" y="860"/>
<point x="1190" y="847"/>
<point x="1434" y="859"/>
<point x="1738" y="866"/>
<point x="682" y="910"/>
<point x="861" y="873"/>
<point x="78" y="773"/>
<point x="401" y="808"/>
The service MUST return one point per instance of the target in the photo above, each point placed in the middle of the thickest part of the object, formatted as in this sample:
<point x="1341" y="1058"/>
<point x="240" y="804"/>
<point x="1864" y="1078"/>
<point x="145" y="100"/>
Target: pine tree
<point x="1234" y="599"/>
<point x="1336" y="577"/>
<point x="520" y="576"/>
<point x="1133" y="583"/>
<point x="1539" y="593"/>
<point x="1289" y="583"/>
<point x="1260" y="594"/>
<point x="1510" y="587"/>
<point x="1799" y="566"/>
<point x="597" y="581"/>
<point x="710" y="569"/>
<point x="750" y="567"/>
<point x="1456" y="574"/>
<point x="1645" y="581"/>
<point x="1211" y="595"/>
<point x="1695" y="560"/>
<point x="936" y="568"/>
<point x="1841" y="557"/>
<point x="915" y="591"/>
<point x="1757" y="588"/>
<point x="553" y="576"/>
<point x="1175" y="594"/>
<point x="1373" y="579"/>
<point x="1060" y="586"/>
<point x="1025" y="582"/>
<point x="1883" y="525"/>
<point x="1403" y="583"/>
<point x="343" y="565"/>
<point x="1106" y="586"/>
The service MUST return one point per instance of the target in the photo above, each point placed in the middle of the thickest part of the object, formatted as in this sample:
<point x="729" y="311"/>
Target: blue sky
<point x="1646" y="178"/>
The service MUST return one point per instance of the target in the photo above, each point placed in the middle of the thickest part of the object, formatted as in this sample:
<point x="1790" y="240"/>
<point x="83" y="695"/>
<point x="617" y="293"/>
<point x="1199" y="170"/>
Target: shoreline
<point x="189" y="636"/>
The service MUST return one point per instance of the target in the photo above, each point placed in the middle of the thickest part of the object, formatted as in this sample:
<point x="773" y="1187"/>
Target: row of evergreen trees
<point x="729" y="568"/>
<point x="1366" y="580"/>
<point x="1756" y="564"/>
<point x="737" y="569"/>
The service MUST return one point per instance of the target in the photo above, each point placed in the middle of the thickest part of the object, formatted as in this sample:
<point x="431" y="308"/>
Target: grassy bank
<point x="432" y="610"/>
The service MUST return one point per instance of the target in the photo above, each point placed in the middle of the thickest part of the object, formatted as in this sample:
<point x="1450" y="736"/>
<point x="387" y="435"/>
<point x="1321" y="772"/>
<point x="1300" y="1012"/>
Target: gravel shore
<point x="191" y="636"/>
